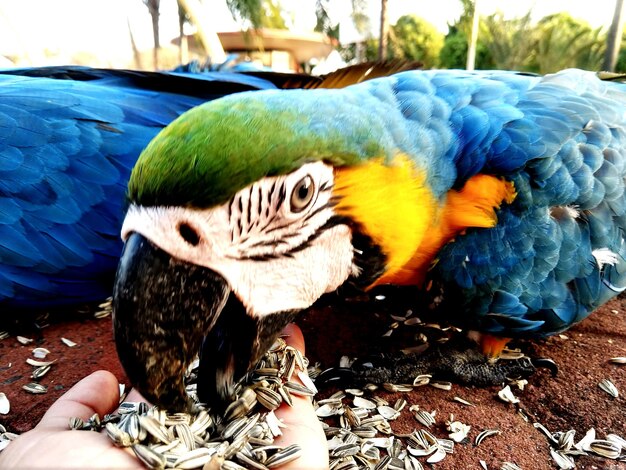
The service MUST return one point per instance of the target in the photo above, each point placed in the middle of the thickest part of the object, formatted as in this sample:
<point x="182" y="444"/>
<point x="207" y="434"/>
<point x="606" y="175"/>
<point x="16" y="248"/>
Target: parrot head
<point x="243" y="212"/>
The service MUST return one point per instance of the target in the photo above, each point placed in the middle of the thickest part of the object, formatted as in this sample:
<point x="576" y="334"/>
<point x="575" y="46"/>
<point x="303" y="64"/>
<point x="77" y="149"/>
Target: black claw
<point x="335" y="376"/>
<point x="546" y="363"/>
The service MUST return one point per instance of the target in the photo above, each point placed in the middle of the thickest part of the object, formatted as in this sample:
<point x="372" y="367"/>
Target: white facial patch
<point x="273" y="241"/>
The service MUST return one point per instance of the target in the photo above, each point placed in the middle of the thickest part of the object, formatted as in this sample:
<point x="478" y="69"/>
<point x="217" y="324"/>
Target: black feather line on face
<point x="368" y="257"/>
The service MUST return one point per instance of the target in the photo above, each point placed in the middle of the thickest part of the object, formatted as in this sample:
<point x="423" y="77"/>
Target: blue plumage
<point x="69" y="137"/>
<point x="557" y="252"/>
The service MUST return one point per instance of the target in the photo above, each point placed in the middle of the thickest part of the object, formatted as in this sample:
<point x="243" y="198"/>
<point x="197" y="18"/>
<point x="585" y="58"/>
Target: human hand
<point x="52" y="444"/>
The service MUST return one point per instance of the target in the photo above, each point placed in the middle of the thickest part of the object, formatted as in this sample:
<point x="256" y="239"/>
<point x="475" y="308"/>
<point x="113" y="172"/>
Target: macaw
<point x="500" y="194"/>
<point x="69" y="137"/>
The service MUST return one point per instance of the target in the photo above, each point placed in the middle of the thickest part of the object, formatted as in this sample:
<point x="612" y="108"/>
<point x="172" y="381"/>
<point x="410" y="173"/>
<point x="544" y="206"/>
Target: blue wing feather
<point x="68" y="139"/>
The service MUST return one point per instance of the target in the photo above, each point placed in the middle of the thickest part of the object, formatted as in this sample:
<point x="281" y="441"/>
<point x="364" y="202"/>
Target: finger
<point x="135" y="396"/>
<point x="96" y="393"/>
<point x="293" y="336"/>
<point x="302" y="426"/>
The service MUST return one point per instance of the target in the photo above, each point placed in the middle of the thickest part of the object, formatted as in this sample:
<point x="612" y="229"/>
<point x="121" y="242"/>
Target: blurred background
<point x="315" y="36"/>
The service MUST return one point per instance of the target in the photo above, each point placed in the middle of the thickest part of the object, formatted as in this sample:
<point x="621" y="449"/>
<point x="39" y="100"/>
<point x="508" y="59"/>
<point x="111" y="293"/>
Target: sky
<point x="64" y="27"/>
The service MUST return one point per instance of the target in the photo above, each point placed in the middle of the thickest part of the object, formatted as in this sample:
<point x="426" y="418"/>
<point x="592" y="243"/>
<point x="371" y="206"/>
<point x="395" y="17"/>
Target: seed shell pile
<point x="242" y="437"/>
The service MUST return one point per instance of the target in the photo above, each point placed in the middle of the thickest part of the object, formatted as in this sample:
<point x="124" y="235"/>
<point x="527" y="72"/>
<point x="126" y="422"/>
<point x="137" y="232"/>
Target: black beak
<point x="165" y="310"/>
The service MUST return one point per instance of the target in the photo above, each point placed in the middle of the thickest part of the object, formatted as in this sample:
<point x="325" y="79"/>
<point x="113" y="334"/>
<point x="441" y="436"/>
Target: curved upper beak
<point x="166" y="310"/>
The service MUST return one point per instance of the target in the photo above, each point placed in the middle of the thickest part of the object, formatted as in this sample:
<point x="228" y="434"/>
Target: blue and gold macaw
<point x="69" y="137"/>
<point x="501" y="193"/>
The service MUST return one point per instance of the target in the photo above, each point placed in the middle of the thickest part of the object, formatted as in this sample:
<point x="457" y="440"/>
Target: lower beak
<point x="166" y="310"/>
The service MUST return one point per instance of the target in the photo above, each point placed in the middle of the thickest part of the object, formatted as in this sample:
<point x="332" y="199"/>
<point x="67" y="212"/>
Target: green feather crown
<point x="212" y="151"/>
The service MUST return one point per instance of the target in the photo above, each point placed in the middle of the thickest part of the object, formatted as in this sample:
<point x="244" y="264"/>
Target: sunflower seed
<point x="4" y="335"/>
<point x="153" y="460"/>
<point x="177" y="418"/>
<point x="76" y="423"/>
<point x="40" y="353"/>
<point x="24" y="340"/>
<point x="127" y="407"/>
<point x="506" y="395"/>
<point x="563" y="461"/>
<point x="511" y="354"/>
<point x="607" y="386"/>
<point x="353" y="419"/>
<point x="388" y="412"/>
<point x="68" y="342"/>
<point x="510" y="466"/>
<point x="36" y="363"/>
<point x="399" y="404"/>
<point x="249" y="461"/>
<point x="427" y="419"/>
<point x="458" y="430"/>
<point x="328" y="410"/>
<point x="154" y="428"/>
<point x="242" y="405"/>
<point x="565" y="440"/>
<point x="618" y="440"/>
<point x="306" y="380"/>
<point x="120" y="438"/>
<point x="398" y="388"/>
<point x="464" y="402"/>
<point x="605" y="448"/>
<point x="618" y="360"/>
<point x="34" y="388"/>
<point x="39" y="372"/>
<point x="268" y="398"/>
<point x="423" y="379"/>
<point x="411" y="463"/>
<point x="102" y="314"/>
<point x="194" y="458"/>
<point x="485" y="434"/>
<point x="383" y="463"/>
<point x="441" y="385"/>
<point x="201" y="423"/>
<point x="283" y="456"/>
<point x="5" y="406"/>
<point x="345" y="450"/>
<point x="438" y="456"/>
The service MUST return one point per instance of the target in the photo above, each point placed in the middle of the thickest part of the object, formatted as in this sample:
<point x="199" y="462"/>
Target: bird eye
<point x="302" y="194"/>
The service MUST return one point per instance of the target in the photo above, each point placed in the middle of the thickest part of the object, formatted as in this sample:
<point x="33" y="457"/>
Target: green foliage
<point x="260" y="13"/>
<point x="411" y="38"/>
<point x="564" y="42"/>
<point x="510" y="41"/>
<point x="621" y="58"/>
<point x="453" y="55"/>
<point x="416" y="39"/>
<point x="324" y="24"/>
<point x="557" y="42"/>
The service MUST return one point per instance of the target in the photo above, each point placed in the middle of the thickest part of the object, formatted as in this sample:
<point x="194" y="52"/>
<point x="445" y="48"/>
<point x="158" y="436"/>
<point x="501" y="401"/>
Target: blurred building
<point x="277" y="49"/>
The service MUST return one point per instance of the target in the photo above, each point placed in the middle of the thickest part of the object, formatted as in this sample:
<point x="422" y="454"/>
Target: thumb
<point x="96" y="393"/>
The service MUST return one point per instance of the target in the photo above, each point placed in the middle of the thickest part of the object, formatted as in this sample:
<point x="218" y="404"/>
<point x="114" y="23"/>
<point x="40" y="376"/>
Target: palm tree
<point x="199" y="16"/>
<point x="614" y="38"/>
<point x="471" y="47"/>
<point x="384" y="31"/>
<point x="153" y="8"/>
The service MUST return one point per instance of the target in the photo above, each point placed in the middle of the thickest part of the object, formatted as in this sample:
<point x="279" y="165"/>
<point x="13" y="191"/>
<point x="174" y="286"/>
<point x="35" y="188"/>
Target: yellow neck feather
<point x="397" y="210"/>
<point x="391" y="202"/>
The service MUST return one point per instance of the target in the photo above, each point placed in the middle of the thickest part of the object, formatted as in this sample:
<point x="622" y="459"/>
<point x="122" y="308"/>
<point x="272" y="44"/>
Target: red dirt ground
<point x="572" y="400"/>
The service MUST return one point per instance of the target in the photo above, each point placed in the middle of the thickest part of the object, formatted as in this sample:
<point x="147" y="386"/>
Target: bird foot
<point x="460" y="362"/>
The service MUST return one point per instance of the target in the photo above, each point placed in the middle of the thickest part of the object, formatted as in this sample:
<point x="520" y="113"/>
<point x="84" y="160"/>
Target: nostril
<point x="189" y="234"/>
